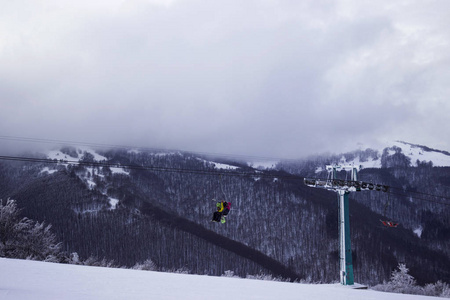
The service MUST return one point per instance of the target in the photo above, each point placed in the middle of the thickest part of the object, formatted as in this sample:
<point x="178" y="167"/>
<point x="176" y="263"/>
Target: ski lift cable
<point x="149" y="167"/>
<point x="421" y="193"/>
<point x="124" y="147"/>
<point x="419" y="198"/>
<point x="102" y="145"/>
<point x="197" y="171"/>
<point x="386" y="206"/>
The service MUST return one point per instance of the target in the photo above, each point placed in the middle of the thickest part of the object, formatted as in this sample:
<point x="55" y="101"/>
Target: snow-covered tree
<point x="11" y="227"/>
<point x="94" y="261"/>
<point x="401" y="280"/>
<point x="25" y="238"/>
<point x="39" y="243"/>
<point x="147" y="265"/>
<point x="446" y="291"/>
<point x="229" y="273"/>
<point x="74" y="259"/>
<point x="404" y="283"/>
<point x="438" y="289"/>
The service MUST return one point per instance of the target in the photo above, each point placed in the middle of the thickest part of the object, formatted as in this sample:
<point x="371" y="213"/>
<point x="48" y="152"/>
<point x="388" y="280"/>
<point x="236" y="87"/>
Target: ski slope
<point x="413" y="152"/>
<point x="22" y="280"/>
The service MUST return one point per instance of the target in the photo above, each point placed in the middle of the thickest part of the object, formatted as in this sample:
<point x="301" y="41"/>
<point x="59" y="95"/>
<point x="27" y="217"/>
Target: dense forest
<point x="121" y="211"/>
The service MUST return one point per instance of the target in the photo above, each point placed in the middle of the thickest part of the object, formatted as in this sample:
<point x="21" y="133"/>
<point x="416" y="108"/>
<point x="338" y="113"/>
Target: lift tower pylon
<point x="343" y="189"/>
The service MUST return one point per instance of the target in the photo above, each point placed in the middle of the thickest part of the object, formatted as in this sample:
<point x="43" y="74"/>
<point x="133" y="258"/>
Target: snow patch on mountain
<point x="134" y="151"/>
<point x="421" y="153"/>
<point x="90" y="175"/>
<point x="224" y="166"/>
<point x="418" y="231"/>
<point x="113" y="202"/>
<point x="97" y="157"/>
<point x="219" y="165"/>
<point x="91" y="185"/>
<point x="263" y="165"/>
<point x="79" y="151"/>
<point x="172" y="153"/>
<point x="58" y="155"/>
<point x="117" y="170"/>
<point x="47" y="170"/>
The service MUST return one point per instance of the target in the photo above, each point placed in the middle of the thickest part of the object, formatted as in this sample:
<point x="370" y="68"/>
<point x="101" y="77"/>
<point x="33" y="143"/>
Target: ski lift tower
<point x="343" y="189"/>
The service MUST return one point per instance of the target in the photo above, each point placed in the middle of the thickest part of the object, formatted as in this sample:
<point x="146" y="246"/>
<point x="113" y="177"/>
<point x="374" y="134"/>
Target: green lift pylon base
<point x="345" y="249"/>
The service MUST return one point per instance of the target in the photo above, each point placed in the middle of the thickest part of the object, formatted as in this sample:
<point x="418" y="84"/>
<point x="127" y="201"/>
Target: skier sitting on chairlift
<point x="223" y="208"/>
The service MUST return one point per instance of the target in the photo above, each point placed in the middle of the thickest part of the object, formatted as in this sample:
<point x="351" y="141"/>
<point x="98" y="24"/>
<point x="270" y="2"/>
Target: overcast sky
<point x="263" y="78"/>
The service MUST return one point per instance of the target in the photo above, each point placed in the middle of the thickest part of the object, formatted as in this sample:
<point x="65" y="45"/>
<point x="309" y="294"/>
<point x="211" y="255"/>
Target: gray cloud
<point x="262" y="78"/>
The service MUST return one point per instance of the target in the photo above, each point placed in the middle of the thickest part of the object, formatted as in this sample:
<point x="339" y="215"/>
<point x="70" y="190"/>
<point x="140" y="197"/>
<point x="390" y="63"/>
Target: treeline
<point x="83" y="221"/>
<point x="279" y="218"/>
<point x="291" y="223"/>
<point x="403" y="283"/>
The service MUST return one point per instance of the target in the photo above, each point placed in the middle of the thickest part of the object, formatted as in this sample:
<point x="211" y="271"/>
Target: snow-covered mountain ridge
<point x="421" y="153"/>
<point x="368" y="158"/>
<point x="415" y="155"/>
<point x="398" y="152"/>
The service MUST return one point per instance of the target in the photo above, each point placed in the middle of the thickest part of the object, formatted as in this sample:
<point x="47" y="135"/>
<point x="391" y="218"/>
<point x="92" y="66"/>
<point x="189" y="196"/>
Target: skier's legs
<point x="216" y="216"/>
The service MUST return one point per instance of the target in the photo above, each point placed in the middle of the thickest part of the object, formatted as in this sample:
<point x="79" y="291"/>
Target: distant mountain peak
<point x="395" y="154"/>
<point x="425" y="148"/>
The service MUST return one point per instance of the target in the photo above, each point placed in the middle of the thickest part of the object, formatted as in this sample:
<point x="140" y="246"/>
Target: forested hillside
<point x="277" y="225"/>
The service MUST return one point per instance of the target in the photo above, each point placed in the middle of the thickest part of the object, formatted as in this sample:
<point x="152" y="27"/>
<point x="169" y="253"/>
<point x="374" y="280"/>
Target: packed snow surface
<point x="23" y="280"/>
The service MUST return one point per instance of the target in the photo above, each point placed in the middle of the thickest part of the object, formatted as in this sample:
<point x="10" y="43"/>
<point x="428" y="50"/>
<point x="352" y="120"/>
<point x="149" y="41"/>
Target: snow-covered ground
<point x="23" y="280"/>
